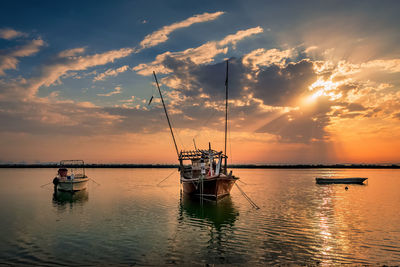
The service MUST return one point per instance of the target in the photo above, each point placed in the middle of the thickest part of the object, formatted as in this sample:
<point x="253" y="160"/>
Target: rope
<point x="205" y="122"/>
<point x="230" y="144"/>
<point x="46" y="184"/>
<point x="242" y="182"/>
<point x="247" y="197"/>
<point x="94" y="181"/>
<point x="177" y="131"/>
<point x="166" y="177"/>
<point x="201" y="189"/>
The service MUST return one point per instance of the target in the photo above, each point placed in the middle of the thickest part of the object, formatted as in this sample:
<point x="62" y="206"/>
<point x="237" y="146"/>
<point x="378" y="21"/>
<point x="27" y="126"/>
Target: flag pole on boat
<point x="166" y="114"/>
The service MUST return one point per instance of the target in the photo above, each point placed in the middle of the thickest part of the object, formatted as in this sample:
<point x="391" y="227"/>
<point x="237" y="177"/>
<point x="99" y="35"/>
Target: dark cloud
<point x="355" y="107"/>
<point x="208" y="79"/>
<point x="278" y="86"/>
<point x="303" y="125"/>
<point x="275" y="85"/>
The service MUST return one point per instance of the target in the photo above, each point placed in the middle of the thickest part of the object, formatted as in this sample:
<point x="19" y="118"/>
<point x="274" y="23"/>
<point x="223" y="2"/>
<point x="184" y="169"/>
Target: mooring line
<point x="94" y="181"/>
<point x="46" y="184"/>
<point x="242" y="182"/>
<point x="247" y="197"/>
<point x="166" y="177"/>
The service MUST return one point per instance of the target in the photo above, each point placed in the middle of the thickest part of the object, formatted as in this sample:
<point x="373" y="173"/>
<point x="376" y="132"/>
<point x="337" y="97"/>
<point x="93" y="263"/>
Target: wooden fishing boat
<point x="71" y="176"/>
<point x="206" y="175"/>
<point x="350" y="180"/>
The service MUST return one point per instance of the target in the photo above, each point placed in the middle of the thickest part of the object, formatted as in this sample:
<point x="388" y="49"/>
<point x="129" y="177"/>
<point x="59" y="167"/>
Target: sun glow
<point x="323" y="88"/>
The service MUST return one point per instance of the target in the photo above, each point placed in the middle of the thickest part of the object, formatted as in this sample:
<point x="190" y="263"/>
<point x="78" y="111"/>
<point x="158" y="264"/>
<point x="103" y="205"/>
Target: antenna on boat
<point x="166" y="114"/>
<point x="226" y="112"/>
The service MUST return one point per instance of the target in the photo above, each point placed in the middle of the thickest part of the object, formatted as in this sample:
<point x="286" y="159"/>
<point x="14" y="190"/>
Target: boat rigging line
<point x="46" y="184"/>
<point x="166" y="114"/>
<point x="169" y="175"/>
<point x="230" y="144"/>
<point x="243" y="182"/>
<point x="94" y="181"/>
<point x="247" y="197"/>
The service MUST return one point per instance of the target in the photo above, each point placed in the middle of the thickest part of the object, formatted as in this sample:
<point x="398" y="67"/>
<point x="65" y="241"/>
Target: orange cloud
<point x="9" y="59"/>
<point x="9" y="34"/>
<point x="110" y="72"/>
<point x="52" y="73"/>
<point x="72" y="52"/>
<point x="161" y="35"/>
<point x="199" y="55"/>
<point x="266" y="57"/>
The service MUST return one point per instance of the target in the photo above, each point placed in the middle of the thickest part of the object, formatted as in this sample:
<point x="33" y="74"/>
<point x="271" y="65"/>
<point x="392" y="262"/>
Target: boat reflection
<point x="217" y="213"/>
<point x="61" y="198"/>
<point x="207" y="230"/>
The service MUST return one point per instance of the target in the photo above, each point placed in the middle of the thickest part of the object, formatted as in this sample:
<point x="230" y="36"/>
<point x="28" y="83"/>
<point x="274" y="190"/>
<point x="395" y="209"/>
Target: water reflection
<point x="338" y="224"/>
<point x="204" y="233"/>
<point x="127" y="223"/>
<point x="61" y="198"/>
<point x="218" y="214"/>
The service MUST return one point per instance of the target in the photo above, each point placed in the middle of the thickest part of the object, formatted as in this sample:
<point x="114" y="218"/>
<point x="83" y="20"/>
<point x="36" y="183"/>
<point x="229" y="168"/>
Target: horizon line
<point x="238" y="166"/>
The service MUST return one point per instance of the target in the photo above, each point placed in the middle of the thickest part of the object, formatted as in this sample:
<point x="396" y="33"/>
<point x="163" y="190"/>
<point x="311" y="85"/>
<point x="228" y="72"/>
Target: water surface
<point x="129" y="220"/>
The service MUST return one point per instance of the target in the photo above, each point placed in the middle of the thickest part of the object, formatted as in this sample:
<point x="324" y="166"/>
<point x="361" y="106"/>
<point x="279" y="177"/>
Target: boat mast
<point x="226" y="113"/>
<point x="166" y="114"/>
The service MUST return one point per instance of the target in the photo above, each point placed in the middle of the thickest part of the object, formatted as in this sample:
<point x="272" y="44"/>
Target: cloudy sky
<point x="310" y="81"/>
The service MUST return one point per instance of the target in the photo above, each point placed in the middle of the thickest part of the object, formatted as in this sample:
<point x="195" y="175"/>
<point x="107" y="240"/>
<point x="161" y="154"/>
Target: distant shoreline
<point x="234" y="166"/>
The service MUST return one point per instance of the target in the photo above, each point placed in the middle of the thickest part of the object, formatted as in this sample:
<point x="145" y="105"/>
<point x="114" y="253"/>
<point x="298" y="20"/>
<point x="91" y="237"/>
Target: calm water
<point x="129" y="220"/>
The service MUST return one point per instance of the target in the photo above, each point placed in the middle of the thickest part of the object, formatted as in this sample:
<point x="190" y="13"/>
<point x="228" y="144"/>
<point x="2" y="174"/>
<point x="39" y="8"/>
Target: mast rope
<point x="230" y="144"/>
<point x="179" y="137"/>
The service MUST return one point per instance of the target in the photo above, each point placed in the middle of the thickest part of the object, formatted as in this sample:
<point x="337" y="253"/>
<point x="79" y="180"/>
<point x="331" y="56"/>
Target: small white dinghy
<point x="71" y="176"/>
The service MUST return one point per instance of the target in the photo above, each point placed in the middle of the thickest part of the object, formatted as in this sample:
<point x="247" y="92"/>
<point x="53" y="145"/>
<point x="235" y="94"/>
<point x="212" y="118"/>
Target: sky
<point x="310" y="82"/>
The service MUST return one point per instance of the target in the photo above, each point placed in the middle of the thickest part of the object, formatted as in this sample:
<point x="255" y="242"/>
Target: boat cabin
<point x="203" y="163"/>
<point x="71" y="169"/>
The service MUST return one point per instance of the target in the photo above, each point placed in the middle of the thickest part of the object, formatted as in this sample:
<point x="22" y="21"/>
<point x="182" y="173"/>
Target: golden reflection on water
<point x="338" y="221"/>
<point x="325" y="224"/>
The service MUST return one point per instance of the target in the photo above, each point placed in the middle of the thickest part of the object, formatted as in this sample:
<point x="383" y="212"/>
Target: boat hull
<point x="213" y="188"/>
<point x="77" y="184"/>
<point x="355" y="180"/>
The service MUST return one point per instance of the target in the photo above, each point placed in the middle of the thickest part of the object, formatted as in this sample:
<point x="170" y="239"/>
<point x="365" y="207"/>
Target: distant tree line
<point x="237" y="166"/>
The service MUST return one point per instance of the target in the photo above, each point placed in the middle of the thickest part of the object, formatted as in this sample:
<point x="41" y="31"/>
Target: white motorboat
<point x="71" y="176"/>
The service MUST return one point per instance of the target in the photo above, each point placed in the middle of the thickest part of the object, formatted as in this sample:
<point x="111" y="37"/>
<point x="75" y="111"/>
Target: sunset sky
<point x="310" y="81"/>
